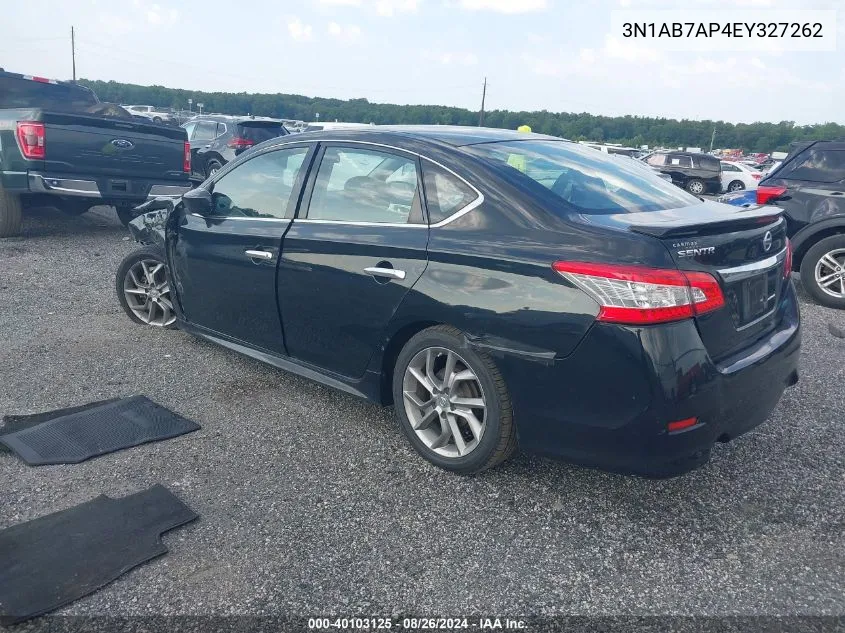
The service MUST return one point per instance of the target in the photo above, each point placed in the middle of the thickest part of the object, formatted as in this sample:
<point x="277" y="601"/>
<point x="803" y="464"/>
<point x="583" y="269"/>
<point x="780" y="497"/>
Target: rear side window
<point x="445" y="193"/>
<point x="258" y="132"/>
<point x="587" y="181"/>
<point x="25" y="93"/>
<point x="679" y="161"/>
<point x="818" y="165"/>
<point x="205" y="131"/>
<point x="709" y="163"/>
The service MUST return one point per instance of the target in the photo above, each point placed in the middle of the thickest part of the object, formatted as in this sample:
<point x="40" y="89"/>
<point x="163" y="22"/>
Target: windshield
<point x="259" y="132"/>
<point x="590" y="181"/>
<point x="24" y="93"/>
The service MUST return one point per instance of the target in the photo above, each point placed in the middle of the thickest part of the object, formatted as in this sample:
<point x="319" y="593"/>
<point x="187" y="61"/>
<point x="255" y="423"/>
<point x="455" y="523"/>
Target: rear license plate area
<point x="753" y="298"/>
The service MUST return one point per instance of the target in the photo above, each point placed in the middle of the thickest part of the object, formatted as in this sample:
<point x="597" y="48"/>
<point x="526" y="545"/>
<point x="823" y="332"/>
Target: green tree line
<point x="629" y="130"/>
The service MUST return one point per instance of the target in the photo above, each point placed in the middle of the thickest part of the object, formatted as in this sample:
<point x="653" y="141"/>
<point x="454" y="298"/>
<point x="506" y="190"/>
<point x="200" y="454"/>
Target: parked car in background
<point x="742" y="198"/>
<point x="489" y="284"/>
<point x="810" y="187"/>
<point x="217" y="139"/>
<point x="332" y="125"/>
<point x="156" y="115"/>
<point x="697" y="173"/>
<point x="60" y="146"/>
<point x="632" y="160"/>
<point x="736" y="177"/>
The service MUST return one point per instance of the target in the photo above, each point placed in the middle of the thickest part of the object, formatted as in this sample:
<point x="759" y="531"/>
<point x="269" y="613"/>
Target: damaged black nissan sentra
<point x="497" y="288"/>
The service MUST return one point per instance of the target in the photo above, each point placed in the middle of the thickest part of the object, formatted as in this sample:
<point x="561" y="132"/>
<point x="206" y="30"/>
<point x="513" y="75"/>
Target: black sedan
<point x="497" y="288"/>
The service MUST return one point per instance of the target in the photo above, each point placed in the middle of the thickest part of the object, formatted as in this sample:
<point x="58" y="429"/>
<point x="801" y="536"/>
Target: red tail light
<point x="787" y="263"/>
<point x="680" y="425"/>
<point x="638" y="295"/>
<point x="186" y="162"/>
<point x="238" y="142"/>
<point x="32" y="140"/>
<point x="768" y="193"/>
<point x="756" y="176"/>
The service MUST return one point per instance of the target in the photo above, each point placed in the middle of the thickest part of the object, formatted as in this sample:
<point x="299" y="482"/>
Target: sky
<point x="556" y="55"/>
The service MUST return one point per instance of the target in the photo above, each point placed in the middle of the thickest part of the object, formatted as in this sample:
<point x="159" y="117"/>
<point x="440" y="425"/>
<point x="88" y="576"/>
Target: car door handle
<point x="258" y="254"/>
<point x="393" y="273"/>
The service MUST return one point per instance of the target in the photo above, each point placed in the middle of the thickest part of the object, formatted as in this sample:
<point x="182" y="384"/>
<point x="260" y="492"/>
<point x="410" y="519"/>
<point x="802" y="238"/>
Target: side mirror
<point x="198" y="201"/>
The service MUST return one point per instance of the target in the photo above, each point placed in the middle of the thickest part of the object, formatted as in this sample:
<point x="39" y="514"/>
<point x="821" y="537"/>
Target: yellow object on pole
<point x="524" y="128"/>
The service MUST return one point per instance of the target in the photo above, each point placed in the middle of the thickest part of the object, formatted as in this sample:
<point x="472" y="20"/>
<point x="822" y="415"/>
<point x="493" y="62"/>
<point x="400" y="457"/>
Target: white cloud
<point x="587" y="56"/>
<point x="504" y="6"/>
<point x="341" y="3"/>
<point x="345" y="32"/>
<point x="615" y="48"/>
<point x="115" y="24"/>
<point x="449" y="58"/>
<point x="389" y="8"/>
<point x="299" y="31"/>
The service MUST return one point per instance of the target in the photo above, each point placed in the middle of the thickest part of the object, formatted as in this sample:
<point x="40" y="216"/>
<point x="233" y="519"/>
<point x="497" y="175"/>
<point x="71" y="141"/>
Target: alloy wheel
<point x="696" y="187"/>
<point x="736" y="186"/>
<point x="830" y="273"/>
<point x="147" y="293"/>
<point x="444" y="401"/>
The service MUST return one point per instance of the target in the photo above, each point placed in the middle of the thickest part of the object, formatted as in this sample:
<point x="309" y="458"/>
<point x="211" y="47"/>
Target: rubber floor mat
<point x="74" y="437"/>
<point x="13" y="423"/>
<point x="53" y="560"/>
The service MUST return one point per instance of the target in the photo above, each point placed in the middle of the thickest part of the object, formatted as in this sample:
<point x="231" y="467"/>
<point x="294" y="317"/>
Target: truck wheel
<point x="823" y="271"/>
<point x="10" y="213"/>
<point x="125" y="215"/>
<point x="143" y="288"/>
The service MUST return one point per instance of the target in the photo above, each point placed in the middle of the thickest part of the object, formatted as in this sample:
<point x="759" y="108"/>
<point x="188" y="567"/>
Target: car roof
<point x="230" y="118"/>
<point x="456" y="136"/>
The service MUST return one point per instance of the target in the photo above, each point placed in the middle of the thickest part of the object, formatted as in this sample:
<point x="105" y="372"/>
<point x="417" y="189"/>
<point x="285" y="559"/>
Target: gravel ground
<point x="312" y="503"/>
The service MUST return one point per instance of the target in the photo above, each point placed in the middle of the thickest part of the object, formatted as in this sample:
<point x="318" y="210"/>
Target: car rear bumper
<point x="105" y="188"/>
<point x="608" y="403"/>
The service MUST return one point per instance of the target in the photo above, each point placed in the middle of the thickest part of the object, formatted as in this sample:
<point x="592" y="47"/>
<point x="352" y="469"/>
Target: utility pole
<point x="483" y="97"/>
<point x="712" y="138"/>
<point x="73" y="52"/>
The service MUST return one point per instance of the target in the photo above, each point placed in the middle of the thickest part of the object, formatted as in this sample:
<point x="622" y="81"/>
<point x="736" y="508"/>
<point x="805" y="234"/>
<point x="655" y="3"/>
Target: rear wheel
<point x="143" y="288"/>
<point x="125" y="214"/>
<point x="452" y="403"/>
<point x="736" y="185"/>
<point x="823" y="271"/>
<point x="695" y="187"/>
<point x="10" y="213"/>
<point x="212" y="167"/>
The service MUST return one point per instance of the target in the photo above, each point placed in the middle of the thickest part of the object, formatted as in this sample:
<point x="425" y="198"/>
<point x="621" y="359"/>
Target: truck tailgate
<point x="94" y="145"/>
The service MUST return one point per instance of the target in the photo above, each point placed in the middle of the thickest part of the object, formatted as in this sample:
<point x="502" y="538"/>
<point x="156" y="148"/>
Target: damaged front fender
<point x="149" y="227"/>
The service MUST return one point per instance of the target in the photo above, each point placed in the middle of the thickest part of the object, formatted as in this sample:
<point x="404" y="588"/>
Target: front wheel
<point x="823" y="271"/>
<point x="143" y="288"/>
<point x="695" y="187"/>
<point x="452" y="403"/>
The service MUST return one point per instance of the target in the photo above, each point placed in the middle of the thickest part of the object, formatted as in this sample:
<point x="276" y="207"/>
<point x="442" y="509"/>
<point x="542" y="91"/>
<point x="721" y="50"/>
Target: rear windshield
<point x="25" y="93"/>
<point x="259" y="132"/>
<point x="589" y="181"/>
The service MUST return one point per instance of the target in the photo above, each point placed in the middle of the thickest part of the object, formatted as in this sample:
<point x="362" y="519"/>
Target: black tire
<point x="74" y="208"/>
<point x="808" y="270"/>
<point x="695" y="187"/>
<point x="498" y="441"/>
<point x="133" y="258"/>
<point x="157" y="119"/>
<point x="736" y="185"/>
<point x="212" y="166"/>
<point x="125" y="215"/>
<point x="10" y="213"/>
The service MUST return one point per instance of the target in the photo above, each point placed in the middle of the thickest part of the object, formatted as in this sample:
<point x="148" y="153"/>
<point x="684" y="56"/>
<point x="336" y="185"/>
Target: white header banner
<point x="757" y="29"/>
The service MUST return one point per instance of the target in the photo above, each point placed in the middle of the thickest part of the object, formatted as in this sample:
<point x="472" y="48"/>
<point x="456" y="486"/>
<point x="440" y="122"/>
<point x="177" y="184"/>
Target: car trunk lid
<point x="744" y="249"/>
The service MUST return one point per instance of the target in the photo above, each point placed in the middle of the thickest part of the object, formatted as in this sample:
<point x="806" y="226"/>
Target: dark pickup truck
<point x="60" y="146"/>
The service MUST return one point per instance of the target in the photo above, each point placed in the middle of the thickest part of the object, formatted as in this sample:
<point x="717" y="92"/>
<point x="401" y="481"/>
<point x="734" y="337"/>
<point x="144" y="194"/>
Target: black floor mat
<point x="87" y="432"/>
<point x="56" y="559"/>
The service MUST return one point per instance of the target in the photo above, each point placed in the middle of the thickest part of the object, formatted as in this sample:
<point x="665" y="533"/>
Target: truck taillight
<point x="32" y="140"/>
<point x="787" y="262"/>
<point x="186" y="163"/>
<point x="238" y="142"/>
<point x="637" y="295"/>
<point x="768" y="193"/>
